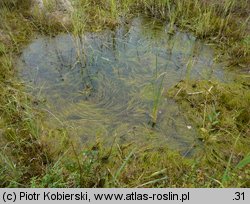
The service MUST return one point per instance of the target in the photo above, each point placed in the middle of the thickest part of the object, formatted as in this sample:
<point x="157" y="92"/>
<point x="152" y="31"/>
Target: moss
<point x="221" y="113"/>
<point x="32" y="156"/>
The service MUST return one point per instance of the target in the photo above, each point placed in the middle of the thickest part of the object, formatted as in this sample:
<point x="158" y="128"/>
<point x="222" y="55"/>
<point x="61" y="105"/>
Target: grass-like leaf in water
<point x="158" y="91"/>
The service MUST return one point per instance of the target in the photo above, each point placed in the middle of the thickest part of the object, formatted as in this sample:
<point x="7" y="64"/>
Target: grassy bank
<point x="223" y="23"/>
<point x="220" y="111"/>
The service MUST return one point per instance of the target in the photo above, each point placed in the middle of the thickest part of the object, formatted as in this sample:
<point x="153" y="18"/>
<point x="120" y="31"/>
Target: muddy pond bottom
<point x="113" y="84"/>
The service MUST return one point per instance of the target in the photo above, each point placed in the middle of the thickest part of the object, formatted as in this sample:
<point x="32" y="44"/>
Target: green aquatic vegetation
<point x="38" y="155"/>
<point x="158" y="93"/>
<point x="158" y="90"/>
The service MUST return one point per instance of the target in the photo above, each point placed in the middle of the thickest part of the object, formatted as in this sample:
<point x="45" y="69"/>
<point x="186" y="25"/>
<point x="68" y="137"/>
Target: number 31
<point x="239" y="196"/>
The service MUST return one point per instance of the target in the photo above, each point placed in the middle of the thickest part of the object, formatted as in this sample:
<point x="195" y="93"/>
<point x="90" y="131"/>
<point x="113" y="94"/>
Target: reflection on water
<point x="105" y="84"/>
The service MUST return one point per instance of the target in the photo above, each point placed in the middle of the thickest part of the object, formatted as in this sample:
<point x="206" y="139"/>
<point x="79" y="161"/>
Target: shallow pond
<point x="110" y="84"/>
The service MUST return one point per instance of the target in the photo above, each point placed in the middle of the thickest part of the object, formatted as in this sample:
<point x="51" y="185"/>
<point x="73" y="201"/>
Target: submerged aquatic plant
<point x="24" y="158"/>
<point x="158" y="91"/>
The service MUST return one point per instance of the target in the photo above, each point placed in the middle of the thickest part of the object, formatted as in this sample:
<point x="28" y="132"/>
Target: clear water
<point x="105" y="85"/>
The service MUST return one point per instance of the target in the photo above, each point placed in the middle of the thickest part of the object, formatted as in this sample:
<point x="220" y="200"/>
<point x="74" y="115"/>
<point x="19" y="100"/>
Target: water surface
<point x="105" y="85"/>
